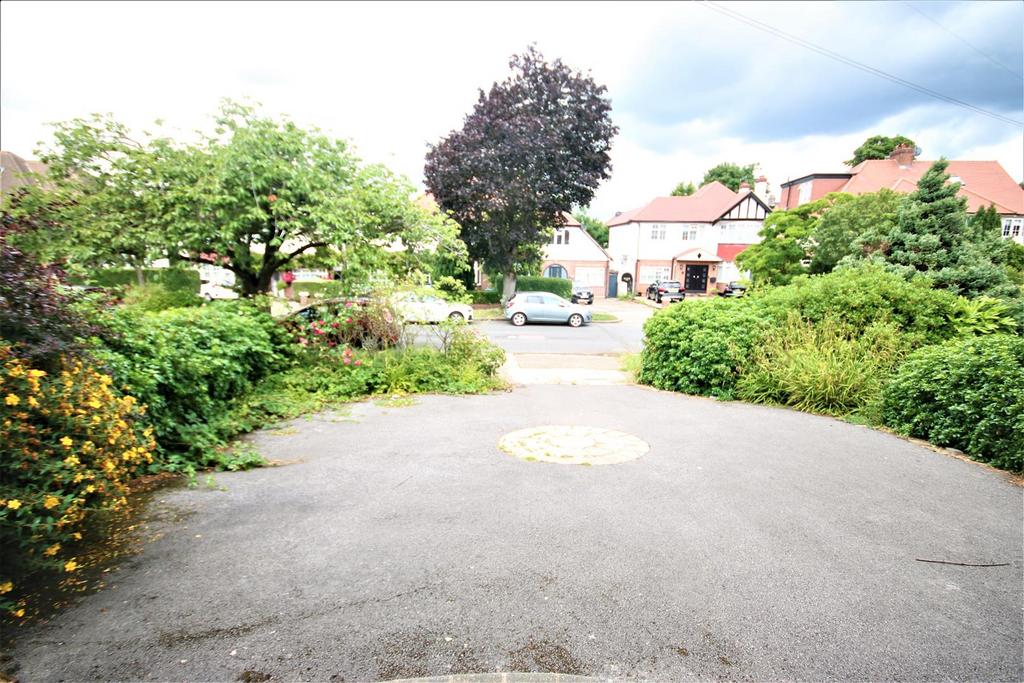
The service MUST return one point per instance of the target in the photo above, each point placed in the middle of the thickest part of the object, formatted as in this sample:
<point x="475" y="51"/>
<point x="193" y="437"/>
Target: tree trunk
<point x="509" y="285"/>
<point x="140" y="276"/>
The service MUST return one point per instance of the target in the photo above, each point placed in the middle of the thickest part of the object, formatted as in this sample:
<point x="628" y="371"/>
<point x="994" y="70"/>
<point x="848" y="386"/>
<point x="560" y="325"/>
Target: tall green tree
<point x="597" y="229"/>
<point x="987" y="221"/>
<point x="878" y="147"/>
<point x="534" y="145"/>
<point x="684" y="189"/>
<point x="850" y="224"/>
<point x="730" y="175"/>
<point x="786" y="243"/>
<point x="253" y="196"/>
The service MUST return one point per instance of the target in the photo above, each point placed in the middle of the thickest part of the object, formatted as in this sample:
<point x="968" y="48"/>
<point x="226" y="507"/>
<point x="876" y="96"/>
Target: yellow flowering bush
<point x="69" y="443"/>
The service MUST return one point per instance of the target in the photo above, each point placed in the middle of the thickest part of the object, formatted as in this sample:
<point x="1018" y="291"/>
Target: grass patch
<point x="605" y="318"/>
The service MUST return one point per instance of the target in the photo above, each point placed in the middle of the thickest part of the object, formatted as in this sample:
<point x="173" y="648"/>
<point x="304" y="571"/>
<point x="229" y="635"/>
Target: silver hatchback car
<point x="544" y="307"/>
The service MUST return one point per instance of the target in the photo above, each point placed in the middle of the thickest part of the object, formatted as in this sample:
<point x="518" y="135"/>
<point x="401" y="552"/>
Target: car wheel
<point x="575" y="320"/>
<point x="518" y="319"/>
<point x="455" y="316"/>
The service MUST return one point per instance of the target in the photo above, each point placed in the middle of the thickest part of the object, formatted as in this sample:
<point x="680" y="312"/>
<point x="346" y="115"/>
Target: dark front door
<point x="696" y="279"/>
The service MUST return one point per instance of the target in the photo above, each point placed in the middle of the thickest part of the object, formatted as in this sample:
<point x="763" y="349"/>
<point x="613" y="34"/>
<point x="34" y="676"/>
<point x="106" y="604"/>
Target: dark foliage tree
<point x="730" y="175"/>
<point x="37" y="318"/>
<point x="534" y="145"/>
<point x="878" y="147"/>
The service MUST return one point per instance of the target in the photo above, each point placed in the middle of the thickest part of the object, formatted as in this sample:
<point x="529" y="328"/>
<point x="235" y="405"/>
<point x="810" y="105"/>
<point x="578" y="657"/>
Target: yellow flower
<point x="37" y="373"/>
<point x="77" y="536"/>
<point x="71" y="460"/>
<point x="70" y="566"/>
<point x="51" y="502"/>
<point x="33" y="402"/>
<point x="12" y="400"/>
<point x="19" y="613"/>
<point x="66" y="441"/>
<point x="90" y="488"/>
<point x="6" y="587"/>
<point x="52" y="550"/>
<point x="94" y="404"/>
<point x="14" y="504"/>
<point x="78" y="477"/>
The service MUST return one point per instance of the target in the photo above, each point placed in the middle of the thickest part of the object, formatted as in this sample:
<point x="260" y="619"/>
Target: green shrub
<point x="555" y="285"/>
<point x="826" y="367"/>
<point x="865" y="294"/>
<point x="186" y="365"/>
<point x="171" y="278"/>
<point x="486" y="296"/>
<point x="966" y="393"/>
<point x="156" y="297"/>
<point x="324" y="289"/>
<point x="698" y="347"/>
<point x="332" y="325"/>
<point x="983" y="315"/>
<point x="452" y="289"/>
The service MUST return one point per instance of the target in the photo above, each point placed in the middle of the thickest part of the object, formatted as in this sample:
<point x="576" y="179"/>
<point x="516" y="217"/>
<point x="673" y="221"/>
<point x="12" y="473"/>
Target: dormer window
<point x="956" y="179"/>
<point x="561" y="236"/>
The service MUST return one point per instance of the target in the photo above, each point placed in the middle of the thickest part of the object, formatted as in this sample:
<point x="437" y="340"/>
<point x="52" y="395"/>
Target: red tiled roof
<point x="728" y="251"/>
<point x="569" y="220"/>
<point x="983" y="182"/>
<point x="704" y="206"/>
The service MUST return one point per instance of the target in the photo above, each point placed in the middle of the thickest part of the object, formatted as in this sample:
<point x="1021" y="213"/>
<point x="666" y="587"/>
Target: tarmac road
<point x="748" y="543"/>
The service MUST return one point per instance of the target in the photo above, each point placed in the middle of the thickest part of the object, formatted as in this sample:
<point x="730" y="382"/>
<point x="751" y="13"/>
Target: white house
<point x="692" y="239"/>
<point x="573" y="254"/>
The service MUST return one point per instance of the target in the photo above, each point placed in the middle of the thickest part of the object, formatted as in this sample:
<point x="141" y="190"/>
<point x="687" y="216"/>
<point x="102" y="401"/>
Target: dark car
<point x="581" y="294"/>
<point x="666" y="290"/>
<point x="733" y="289"/>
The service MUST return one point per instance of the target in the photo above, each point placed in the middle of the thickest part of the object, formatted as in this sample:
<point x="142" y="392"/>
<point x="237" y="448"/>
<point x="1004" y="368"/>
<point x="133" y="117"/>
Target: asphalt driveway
<point x="747" y="543"/>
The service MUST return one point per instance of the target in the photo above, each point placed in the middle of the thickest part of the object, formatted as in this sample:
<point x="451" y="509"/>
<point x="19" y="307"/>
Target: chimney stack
<point x="761" y="187"/>
<point x="903" y="155"/>
<point x="744" y="187"/>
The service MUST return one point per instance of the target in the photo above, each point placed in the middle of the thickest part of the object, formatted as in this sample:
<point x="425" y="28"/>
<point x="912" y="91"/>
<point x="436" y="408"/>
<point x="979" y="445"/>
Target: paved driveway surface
<point x="748" y="543"/>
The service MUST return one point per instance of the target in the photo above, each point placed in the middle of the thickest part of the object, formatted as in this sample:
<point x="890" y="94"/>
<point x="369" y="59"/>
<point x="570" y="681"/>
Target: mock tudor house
<point x="693" y="239"/>
<point x="574" y="254"/>
<point x="982" y="183"/>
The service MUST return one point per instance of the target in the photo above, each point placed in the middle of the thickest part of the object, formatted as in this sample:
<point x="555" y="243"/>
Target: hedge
<point x="171" y="278"/>
<point x="966" y="393"/>
<point x="555" y="285"/>
<point x="326" y="289"/>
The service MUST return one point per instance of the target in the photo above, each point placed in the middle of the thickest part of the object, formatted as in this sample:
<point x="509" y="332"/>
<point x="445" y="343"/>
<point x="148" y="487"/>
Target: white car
<point x="420" y="308"/>
<point x="213" y="291"/>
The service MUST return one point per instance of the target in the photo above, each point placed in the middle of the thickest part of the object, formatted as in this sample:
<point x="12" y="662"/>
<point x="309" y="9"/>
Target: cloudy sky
<point x="690" y="86"/>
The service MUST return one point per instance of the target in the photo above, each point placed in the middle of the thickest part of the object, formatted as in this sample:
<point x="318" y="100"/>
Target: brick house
<point x="982" y="183"/>
<point x="575" y="255"/>
<point x="694" y="239"/>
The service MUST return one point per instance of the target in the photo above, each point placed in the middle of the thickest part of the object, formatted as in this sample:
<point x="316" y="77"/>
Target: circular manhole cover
<point x="568" y="445"/>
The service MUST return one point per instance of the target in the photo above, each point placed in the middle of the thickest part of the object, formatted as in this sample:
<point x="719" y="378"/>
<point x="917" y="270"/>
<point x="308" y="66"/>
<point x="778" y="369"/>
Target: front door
<point x="696" y="279"/>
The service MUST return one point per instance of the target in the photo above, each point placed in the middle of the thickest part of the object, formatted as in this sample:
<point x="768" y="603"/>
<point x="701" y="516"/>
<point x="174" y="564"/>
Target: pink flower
<point x="346" y="361"/>
<point x="335" y="325"/>
<point x="348" y="304"/>
<point x="359" y="362"/>
<point x="348" y="320"/>
<point x="302" y="341"/>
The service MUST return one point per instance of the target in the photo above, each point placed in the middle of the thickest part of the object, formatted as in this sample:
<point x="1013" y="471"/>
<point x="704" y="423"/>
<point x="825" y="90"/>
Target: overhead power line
<point x="963" y="40"/>
<point x="760" y="25"/>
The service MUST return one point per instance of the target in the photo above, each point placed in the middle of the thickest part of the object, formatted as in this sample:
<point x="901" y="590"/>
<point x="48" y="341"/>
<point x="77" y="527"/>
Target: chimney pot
<point x="903" y="155"/>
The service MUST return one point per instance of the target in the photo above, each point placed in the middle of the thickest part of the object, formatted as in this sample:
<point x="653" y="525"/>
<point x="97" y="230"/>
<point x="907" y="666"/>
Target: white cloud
<point x="394" y="76"/>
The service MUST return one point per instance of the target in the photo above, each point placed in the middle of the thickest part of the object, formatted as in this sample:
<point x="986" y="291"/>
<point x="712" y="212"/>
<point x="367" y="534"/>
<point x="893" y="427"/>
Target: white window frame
<point x="805" y="192"/>
<point x="655" y="273"/>
<point x="658" y="231"/>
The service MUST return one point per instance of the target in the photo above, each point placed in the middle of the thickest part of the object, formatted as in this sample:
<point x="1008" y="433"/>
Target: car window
<point x="534" y="300"/>
<point x="552" y="300"/>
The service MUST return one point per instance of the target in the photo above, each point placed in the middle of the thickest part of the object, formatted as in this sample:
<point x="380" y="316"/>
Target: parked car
<point x="582" y="294"/>
<point x="733" y="289"/>
<point x="544" y="307"/>
<point x="669" y="290"/>
<point x="322" y="307"/>
<point x="419" y="308"/>
<point x="213" y="291"/>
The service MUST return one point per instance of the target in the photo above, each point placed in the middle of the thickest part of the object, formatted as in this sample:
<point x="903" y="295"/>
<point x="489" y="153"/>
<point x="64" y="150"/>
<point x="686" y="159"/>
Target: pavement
<point x="745" y="543"/>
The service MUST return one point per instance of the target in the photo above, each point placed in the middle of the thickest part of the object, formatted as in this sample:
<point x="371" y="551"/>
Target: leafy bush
<point x="187" y="365"/>
<point x="185" y="279"/>
<point x="368" y="325"/>
<point x="826" y="367"/>
<point x="70" y="444"/>
<point x="325" y="289"/>
<point x="156" y="297"/>
<point x="555" y="285"/>
<point x="452" y="289"/>
<point x="486" y="296"/>
<point x="983" y="315"/>
<point x="966" y="393"/>
<point x="699" y="347"/>
<point x="861" y="295"/>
